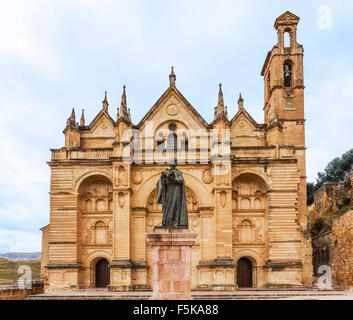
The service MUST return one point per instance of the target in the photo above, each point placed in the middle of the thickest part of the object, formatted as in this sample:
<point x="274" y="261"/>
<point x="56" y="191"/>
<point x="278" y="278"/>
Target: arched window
<point x="287" y="37"/>
<point x="268" y="84"/>
<point x="100" y="234"/>
<point x="172" y="142"/>
<point x="287" y="74"/>
<point x="184" y="142"/>
<point x="246" y="235"/>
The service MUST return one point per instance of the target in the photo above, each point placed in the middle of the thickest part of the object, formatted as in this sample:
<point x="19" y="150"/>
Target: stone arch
<point x="95" y="256"/>
<point x="94" y="194"/>
<point x="250" y="254"/>
<point x="190" y="181"/>
<point x="257" y="264"/>
<point x="165" y="124"/>
<point x="249" y="192"/>
<point x="191" y="198"/>
<point x="257" y="172"/>
<point x="163" y="134"/>
<point x="83" y="177"/>
<point x="93" y="259"/>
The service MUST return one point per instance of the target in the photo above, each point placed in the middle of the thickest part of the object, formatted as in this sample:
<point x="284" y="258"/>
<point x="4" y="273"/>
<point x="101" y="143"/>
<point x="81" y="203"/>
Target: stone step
<point x="238" y="295"/>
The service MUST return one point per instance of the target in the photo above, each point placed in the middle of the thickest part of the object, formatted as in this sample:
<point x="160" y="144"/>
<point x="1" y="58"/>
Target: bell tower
<point x="284" y="95"/>
<point x="283" y="72"/>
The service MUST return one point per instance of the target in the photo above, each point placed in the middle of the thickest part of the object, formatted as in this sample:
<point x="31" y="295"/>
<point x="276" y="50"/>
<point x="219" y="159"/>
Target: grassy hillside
<point x="8" y="270"/>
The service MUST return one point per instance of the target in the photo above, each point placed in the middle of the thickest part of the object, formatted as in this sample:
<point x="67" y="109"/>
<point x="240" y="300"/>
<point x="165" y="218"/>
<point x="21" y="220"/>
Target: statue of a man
<point x="171" y="194"/>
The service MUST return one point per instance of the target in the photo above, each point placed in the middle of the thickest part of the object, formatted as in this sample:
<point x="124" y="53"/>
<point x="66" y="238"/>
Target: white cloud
<point x="24" y="175"/>
<point x="329" y="113"/>
<point x="19" y="241"/>
<point x="20" y="37"/>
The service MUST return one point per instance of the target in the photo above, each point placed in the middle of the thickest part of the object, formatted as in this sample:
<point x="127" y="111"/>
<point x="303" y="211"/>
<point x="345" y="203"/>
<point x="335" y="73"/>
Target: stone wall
<point x="342" y="250"/>
<point x="307" y="258"/>
<point x="330" y="196"/>
<point x="14" y="292"/>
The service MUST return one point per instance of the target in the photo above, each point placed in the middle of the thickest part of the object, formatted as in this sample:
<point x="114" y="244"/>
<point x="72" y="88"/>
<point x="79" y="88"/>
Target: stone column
<point x="223" y="265"/>
<point x="121" y="266"/>
<point x="171" y="262"/>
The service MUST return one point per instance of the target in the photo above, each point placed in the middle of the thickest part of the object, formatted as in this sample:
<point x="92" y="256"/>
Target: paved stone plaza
<point x="256" y="294"/>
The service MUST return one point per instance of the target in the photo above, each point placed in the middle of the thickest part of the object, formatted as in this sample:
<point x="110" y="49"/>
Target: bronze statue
<point x="171" y="194"/>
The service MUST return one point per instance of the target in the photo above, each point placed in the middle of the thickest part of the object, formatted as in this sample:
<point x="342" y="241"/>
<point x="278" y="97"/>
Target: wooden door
<point x="244" y="273"/>
<point x="102" y="273"/>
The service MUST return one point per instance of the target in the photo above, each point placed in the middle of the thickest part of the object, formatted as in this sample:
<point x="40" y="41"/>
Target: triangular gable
<point x="222" y="117"/>
<point x="164" y="96"/>
<point x="246" y="115"/>
<point x="243" y="124"/>
<point x="99" y="117"/>
<point x="102" y="125"/>
<point x="287" y="18"/>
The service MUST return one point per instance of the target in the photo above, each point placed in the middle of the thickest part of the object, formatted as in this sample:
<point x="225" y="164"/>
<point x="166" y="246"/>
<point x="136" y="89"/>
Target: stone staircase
<point x="248" y="294"/>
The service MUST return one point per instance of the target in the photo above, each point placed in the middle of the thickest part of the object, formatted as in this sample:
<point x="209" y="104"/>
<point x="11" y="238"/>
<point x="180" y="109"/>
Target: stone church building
<point x="245" y="188"/>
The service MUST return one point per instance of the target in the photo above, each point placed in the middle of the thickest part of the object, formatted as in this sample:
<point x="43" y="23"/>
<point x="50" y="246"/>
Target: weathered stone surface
<point x="171" y="263"/>
<point x="342" y="250"/>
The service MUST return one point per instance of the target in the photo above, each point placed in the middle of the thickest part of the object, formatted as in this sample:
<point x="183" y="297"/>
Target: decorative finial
<point x="172" y="77"/>
<point x="82" y="121"/>
<point x="123" y="97"/>
<point x="123" y="106"/>
<point x="128" y="114"/>
<point x="220" y="96"/>
<point x="240" y="102"/>
<point x="220" y="110"/>
<point x="72" y="117"/>
<point x="71" y="121"/>
<point x="105" y="102"/>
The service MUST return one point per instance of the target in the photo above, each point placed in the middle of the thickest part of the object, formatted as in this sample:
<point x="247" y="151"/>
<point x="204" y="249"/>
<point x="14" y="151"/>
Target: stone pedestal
<point x="171" y="262"/>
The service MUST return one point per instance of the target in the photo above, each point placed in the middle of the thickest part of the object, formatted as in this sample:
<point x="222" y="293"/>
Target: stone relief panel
<point x="97" y="232"/>
<point x="249" y="193"/>
<point x="207" y="176"/>
<point x="248" y="230"/>
<point x="95" y="195"/>
<point x="137" y="176"/>
<point x="95" y="204"/>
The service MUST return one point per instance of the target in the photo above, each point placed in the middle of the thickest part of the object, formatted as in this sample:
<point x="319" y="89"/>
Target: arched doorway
<point x="244" y="273"/>
<point x="102" y="273"/>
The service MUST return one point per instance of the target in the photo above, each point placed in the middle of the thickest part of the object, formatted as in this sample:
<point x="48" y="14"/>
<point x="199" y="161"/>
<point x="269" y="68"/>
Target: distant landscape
<point x="9" y="268"/>
<point x="17" y="256"/>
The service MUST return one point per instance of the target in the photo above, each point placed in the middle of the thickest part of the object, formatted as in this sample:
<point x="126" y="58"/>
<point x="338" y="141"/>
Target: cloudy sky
<point x="55" y="55"/>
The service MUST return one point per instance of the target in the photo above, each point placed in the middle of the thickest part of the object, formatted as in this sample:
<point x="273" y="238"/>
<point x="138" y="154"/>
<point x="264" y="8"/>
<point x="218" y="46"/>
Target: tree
<point x="310" y="193"/>
<point x="337" y="170"/>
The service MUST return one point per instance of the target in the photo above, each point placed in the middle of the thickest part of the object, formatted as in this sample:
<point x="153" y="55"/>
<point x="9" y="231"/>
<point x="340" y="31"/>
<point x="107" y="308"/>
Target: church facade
<point x="245" y="188"/>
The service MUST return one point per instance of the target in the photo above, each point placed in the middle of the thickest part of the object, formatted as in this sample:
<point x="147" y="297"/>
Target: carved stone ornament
<point x="172" y="109"/>
<point x="137" y="176"/>
<point x="121" y="199"/>
<point x="223" y="198"/>
<point x="207" y="176"/>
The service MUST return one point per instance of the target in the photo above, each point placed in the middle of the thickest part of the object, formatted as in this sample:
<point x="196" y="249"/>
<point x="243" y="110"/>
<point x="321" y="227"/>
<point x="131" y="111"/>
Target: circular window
<point x="172" y="127"/>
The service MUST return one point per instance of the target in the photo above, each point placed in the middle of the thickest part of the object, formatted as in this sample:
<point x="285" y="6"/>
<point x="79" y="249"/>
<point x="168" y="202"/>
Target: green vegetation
<point x="318" y="223"/>
<point x="8" y="270"/>
<point x="336" y="171"/>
